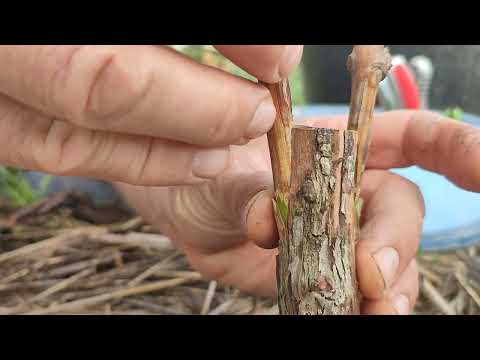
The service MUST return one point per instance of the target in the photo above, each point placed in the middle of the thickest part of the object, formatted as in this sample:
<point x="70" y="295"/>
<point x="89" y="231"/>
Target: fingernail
<point x="263" y="119"/>
<point x="401" y="304"/>
<point x="387" y="260"/>
<point x="290" y="59"/>
<point x="210" y="163"/>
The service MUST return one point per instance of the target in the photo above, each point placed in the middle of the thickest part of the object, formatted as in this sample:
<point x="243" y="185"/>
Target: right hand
<point x="143" y="115"/>
<point x="227" y="230"/>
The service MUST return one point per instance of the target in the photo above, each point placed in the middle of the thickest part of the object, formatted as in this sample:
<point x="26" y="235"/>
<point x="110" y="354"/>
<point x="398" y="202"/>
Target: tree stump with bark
<point x="317" y="174"/>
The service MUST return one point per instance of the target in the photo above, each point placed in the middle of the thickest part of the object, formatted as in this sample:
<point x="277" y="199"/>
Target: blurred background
<point x="322" y="77"/>
<point x="456" y="80"/>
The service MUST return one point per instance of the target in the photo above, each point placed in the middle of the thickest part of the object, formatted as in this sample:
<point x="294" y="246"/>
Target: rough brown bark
<point x="316" y="263"/>
<point x="317" y="174"/>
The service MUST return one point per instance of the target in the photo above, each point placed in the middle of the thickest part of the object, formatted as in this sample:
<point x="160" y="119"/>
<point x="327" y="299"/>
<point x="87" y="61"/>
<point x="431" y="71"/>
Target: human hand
<point x="226" y="227"/>
<point x="137" y="114"/>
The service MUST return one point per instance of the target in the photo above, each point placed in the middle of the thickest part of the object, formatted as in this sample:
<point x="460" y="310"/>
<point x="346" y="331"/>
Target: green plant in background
<point x="15" y="187"/>
<point x="297" y="87"/>
<point x="455" y="113"/>
<point x="207" y="55"/>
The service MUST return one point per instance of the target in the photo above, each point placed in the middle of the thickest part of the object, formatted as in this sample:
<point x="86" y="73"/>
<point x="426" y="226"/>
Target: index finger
<point x="138" y="90"/>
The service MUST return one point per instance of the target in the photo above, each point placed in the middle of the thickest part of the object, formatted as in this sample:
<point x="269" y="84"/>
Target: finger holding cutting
<point x="138" y="90"/>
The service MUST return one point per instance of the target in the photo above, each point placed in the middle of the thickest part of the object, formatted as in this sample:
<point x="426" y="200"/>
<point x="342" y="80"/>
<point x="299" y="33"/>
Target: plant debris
<point x="54" y="262"/>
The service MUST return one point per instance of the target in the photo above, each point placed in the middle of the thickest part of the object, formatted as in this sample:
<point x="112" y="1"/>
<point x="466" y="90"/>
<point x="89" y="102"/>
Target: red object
<point x="407" y="86"/>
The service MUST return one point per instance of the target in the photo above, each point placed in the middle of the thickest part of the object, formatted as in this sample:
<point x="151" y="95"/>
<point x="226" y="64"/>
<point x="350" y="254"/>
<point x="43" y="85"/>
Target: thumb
<point x="225" y="213"/>
<point x="260" y="226"/>
<point x="214" y="216"/>
<point x="248" y="201"/>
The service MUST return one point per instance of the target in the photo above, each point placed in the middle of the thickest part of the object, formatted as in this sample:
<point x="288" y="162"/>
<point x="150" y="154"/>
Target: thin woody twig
<point x="153" y="269"/>
<point x="369" y="65"/>
<point x="118" y="294"/>
<point x="279" y="137"/>
<point x="224" y="307"/>
<point x="470" y="291"/>
<point x="51" y="243"/>
<point x="436" y="298"/>
<point x="209" y="297"/>
<point x="61" y="285"/>
<point x="279" y="143"/>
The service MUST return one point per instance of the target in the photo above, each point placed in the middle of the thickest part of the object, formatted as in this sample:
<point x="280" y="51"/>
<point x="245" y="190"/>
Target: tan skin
<point x="190" y="141"/>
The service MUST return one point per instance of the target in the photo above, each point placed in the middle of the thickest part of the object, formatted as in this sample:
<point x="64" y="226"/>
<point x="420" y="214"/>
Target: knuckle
<point x="53" y="141"/>
<point x="62" y="89"/>
<point x="466" y="140"/>
<point x="420" y="136"/>
<point x="24" y="131"/>
<point x="117" y="87"/>
<point x="137" y="172"/>
<point x="98" y="82"/>
<point x="67" y="150"/>
<point x="225" y="127"/>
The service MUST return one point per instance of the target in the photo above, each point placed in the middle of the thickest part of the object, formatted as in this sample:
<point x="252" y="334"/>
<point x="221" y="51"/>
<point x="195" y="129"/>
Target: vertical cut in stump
<point x="316" y="261"/>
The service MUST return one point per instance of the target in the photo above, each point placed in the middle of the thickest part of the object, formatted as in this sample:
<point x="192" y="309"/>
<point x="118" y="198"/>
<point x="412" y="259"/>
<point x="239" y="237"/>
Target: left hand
<point x="226" y="227"/>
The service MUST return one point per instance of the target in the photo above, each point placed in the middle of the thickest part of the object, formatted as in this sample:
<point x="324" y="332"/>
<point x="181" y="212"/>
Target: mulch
<point x="63" y="255"/>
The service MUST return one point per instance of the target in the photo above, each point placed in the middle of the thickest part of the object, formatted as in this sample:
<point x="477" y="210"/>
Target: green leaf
<point x="18" y="189"/>
<point x="13" y="195"/>
<point x="296" y="81"/>
<point x="283" y="209"/>
<point x="3" y="175"/>
<point x="455" y="113"/>
<point x="193" y="51"/>
<point x="43" y="186"/>
<point x="358" y="208"/>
